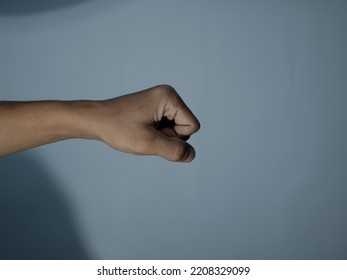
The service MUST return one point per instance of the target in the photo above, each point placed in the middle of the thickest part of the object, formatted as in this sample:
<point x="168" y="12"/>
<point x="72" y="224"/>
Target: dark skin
<point x="154" y="121"/>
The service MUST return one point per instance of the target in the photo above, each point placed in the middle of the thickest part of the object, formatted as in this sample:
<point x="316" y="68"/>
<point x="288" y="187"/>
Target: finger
<point x="173" y="148"/>
<point x="168" y="128"/>
<point x="168" y="131"/>
<point x="185" y="121"/>
<point x="185" y="131"/>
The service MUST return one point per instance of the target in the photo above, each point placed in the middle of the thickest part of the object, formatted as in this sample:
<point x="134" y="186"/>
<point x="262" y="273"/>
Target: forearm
<point x="25" y="125"/>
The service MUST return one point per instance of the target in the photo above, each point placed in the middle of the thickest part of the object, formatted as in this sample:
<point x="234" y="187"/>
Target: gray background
<point x="267" y="79"/>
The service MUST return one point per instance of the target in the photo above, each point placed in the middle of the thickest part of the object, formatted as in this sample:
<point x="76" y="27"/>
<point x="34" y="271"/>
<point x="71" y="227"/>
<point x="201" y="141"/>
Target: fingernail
<point x="191" y="155"/>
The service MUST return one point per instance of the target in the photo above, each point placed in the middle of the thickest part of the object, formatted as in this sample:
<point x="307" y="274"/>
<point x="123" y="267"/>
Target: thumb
<point x="173" y="148"/>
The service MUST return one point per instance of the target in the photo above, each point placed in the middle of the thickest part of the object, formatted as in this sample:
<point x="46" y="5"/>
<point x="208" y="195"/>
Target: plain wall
<point x="267" y="79"/>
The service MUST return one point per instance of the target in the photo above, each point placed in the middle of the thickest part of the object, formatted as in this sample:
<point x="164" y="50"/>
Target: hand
<point x="154" y="121"/>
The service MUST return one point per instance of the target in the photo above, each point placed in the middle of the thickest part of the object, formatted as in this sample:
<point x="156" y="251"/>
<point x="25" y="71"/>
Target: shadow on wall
<point x="35" y="218"/>
<point x="22" y="7"/>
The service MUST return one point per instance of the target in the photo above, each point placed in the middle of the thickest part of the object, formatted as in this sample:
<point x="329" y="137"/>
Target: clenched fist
<point x="150" y="122"/>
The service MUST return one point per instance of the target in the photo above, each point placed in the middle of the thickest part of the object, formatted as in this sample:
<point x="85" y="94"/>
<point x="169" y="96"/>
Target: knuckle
<point x="166" y="90"/>
<point x="166" y="87"/>
<point x="196" y="126"/>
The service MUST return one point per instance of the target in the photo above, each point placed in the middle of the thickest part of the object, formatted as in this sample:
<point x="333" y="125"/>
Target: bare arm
<point x="150" y="122"/>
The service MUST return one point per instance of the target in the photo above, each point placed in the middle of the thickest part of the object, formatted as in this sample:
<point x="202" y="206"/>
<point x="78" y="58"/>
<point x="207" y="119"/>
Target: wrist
<point x="77" y="119"/>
